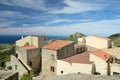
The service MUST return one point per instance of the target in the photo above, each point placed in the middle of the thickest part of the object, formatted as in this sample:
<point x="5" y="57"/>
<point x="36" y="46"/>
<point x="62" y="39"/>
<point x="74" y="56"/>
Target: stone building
<point x="37" y="41"/>
<point x="17" y="65"/>
<point x="54" y="51"/>
<point x="28" y="49"/>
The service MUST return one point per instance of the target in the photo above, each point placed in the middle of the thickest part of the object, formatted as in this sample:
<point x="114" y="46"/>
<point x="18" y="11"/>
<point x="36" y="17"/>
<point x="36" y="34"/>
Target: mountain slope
<point x="116" y="39"/>
<point x="75" y="36"/>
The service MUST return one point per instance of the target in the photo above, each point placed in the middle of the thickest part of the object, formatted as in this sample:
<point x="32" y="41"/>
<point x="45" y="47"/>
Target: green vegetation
<point x="5" y="51"/>
<point x="116" y="39"/>
<point x="74" y="37"/>
<point x="5" y="46"/>
<point x="27" y="76"/>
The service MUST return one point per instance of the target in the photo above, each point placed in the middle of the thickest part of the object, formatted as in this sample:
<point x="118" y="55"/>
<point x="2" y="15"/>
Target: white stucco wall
<point x="115" y="68"/>
<point x="101" y="65"/>
<point x="73" y="68"/>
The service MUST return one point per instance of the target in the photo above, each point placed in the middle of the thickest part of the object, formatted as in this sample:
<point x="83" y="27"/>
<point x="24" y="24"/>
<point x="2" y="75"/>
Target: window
<point x="40" y="50"/>
<point x="116" y="73"/>
<point x="9" y="67"/>
<point x="61" y="72"/>
<point x="15" y="67"/>
<point x="31" y="62"/>
<point x="16" y="55"/>
<point x="2" y="64"/>
<point x="52" y="69"/>
<point x="45" y="38"/>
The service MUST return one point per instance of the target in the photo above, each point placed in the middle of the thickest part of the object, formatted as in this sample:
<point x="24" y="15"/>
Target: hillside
<point x="5" y="51"/>
<point x="75" y="36"/>
<point x="116" y="39"/>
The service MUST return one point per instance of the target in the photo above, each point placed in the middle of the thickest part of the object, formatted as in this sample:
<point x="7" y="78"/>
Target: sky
<point x="59" y="17"/>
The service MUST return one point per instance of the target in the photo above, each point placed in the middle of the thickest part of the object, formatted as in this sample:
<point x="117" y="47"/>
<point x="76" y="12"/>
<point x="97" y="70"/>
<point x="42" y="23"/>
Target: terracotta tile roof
<point x="113" y="51"/>
<point x="102" y="37"/>
<point x="78" y="58"/>
<point x="101" y="54"/>
<point x="29" y="47"/>
<point x="57" y="44"/>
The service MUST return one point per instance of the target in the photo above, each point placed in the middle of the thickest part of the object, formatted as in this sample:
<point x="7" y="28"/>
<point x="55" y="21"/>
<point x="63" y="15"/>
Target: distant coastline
<point x="9" y="39"/>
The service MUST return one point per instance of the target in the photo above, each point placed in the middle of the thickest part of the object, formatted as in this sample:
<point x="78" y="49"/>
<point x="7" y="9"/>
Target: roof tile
<point x="101" y="54"/>
<point x="57" y="44"/>
<point x="78" y="58"/>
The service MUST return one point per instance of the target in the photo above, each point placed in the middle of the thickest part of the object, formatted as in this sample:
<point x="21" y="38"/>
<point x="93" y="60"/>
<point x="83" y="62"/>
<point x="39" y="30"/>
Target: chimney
<point x="22" y="37"/>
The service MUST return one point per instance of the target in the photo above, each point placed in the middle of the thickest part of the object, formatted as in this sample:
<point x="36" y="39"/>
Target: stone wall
<point x="22" y="53"/>
<point x="48" y="62"/>
<point x="66" y="51"/>
<point x="33" y="59"/>
<point x="16" y="65"/>
<point x="37" y="41"/>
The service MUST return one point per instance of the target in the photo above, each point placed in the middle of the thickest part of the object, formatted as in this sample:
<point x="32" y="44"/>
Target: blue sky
<point x="59" y="17"/>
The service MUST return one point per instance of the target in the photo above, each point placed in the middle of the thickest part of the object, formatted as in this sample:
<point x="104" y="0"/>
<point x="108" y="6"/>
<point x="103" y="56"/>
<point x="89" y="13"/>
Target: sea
<point x="10" y="39"/>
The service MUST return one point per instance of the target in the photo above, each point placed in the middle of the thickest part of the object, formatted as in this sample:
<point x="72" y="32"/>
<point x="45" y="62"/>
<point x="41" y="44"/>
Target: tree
<point x="27" y="76"/>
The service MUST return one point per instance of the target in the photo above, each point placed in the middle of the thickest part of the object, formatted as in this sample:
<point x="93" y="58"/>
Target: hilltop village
<point x="94" y="55"/>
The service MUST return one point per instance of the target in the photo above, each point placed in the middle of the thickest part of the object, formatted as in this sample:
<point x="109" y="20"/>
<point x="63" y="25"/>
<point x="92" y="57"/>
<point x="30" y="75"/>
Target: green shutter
<point x="31" y="41"/>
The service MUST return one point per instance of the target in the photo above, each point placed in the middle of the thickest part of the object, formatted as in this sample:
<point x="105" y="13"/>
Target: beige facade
<point x="101" y="66"/>
<point x="96" y="42"/>
<point x="67" y="68"/>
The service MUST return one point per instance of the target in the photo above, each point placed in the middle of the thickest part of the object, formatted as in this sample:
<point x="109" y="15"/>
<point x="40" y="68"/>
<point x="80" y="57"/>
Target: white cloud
<point x="78" y="7"/>
<point x="104" y="27"/>
<point x="6" y="24"/>
<point x="13" y="14"/>
<point x="58" y="21"/>
<point x="73" y="5"/>
<point x="32" y="4"/>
